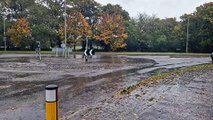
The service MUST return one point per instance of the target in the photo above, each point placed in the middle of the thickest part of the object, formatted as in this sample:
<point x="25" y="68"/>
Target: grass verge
<point x="156" y="53"/>
<point x="25" y="52"/>
<point x="115" y="53"/>
<point x="159" y="77"/>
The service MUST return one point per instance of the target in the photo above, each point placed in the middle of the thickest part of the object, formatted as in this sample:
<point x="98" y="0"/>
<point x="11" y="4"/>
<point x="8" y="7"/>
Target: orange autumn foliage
<point x="77" y="28"/>
<point x="19" y="31"/>
<point x="111" y="30"/>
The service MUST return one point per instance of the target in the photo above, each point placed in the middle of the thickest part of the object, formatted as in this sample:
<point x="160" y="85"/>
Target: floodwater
<point x="81" y="85"/>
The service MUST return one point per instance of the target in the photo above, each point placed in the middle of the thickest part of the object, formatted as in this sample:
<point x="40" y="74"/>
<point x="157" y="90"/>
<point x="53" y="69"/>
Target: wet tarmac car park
<point x="87" y="90"/>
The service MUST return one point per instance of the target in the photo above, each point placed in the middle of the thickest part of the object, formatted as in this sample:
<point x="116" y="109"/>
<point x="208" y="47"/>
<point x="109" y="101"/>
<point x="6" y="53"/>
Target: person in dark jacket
<point x="38" y="49"/>
<point x="212" y="57"/>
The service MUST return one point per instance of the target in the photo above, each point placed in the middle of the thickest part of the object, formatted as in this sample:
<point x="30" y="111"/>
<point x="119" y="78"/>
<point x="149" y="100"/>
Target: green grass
<point x="160" y="77"/>
<point x="25" y="52"/>
<point x="116" y="53"/>
<point x="155" y="53"/>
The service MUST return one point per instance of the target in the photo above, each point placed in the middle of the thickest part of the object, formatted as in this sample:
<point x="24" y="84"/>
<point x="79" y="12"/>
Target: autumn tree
<point x="77" y="29"/>
<point x="91" y="10"/>
<point x="19" y="31"/>
<point x="111" y="31"/>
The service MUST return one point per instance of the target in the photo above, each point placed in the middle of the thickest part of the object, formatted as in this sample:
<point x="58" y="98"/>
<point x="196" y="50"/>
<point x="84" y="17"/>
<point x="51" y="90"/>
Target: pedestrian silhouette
<point x="38" y="50"/>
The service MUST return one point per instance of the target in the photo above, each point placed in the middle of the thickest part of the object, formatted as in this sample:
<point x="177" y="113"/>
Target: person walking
<point x="38" y="50"/>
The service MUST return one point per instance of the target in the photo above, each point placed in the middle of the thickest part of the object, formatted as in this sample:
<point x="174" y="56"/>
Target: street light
<point x="87" y="41"/>
<point x="4" y="38"/>
<point x="187" y="37"/>
<point x="65" y="27"/>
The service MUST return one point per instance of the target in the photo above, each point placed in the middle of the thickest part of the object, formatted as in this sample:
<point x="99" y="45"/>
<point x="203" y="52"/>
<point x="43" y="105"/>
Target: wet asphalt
<point x="81" y="85"/>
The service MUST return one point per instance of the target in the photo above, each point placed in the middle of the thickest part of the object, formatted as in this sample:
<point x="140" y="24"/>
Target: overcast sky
<point x="160" y="8"/>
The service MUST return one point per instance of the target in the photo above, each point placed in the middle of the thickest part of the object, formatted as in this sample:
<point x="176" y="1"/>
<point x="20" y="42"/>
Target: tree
<point x="204" y="18"/>
<point x="148" y="30"/>
<point x="179" y="42"/>
<point x="204" y="12"/>
<point x="91" y="10"/>
<point x="115" y="10"/>
<point x="16" y="8"/>
<point x="149" y="33"/>
<point x="167" y="35"/>
<point x="200" y="28"/>
<point x="44" y="26"/>
<point x="77" y="29"/>
<point x="133" y="40"/>
<point x="111" y="31"/>
<point x="19" y="31"/>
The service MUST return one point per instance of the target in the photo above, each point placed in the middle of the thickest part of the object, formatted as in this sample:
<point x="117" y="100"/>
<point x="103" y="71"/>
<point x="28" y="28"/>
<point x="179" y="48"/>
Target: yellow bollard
<point x="51" y="102"/>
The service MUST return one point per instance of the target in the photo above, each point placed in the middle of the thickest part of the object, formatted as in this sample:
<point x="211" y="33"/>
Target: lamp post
<point x="87" y="41"/>
<point x="65" y="27"/>
<point x="187" y="37"/>
<point x="4" y="38"/>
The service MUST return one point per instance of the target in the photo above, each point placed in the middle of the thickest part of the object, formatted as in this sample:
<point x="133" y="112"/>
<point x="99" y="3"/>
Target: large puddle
<point x="81" y="85"/>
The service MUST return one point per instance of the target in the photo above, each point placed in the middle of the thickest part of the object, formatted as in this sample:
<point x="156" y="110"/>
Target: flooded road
<point x="82" y="86"/>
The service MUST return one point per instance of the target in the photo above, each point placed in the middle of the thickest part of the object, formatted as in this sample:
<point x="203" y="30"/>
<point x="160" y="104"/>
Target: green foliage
<point x="145" y="33"/>
<point x="44" y="25"/>
<point x="200" y="28"/>
<point x="115" y="10"/>
<point x="133" y="41"/>
<point x="91" y="10"/>
<point x="17" y="8"/>
<point x="148" y="33"/>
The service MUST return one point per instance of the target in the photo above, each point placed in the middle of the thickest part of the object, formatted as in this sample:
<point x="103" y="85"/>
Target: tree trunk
<point x="83" y="44"/>
<point x="90" y="44"/>
<point x="107" y="47"/>
<point x="74" y="46"/>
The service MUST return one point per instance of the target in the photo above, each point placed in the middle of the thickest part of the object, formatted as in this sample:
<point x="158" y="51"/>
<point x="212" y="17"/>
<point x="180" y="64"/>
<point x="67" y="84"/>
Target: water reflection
<point x="103" y="75"/>
<point x="83" y="91"/>
<point x="21" y="60"/>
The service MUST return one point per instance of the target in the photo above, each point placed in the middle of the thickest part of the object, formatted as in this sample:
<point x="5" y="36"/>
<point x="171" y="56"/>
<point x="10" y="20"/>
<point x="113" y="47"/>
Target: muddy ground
<point x="187" y="96"/>
<point x="87" y="90"/>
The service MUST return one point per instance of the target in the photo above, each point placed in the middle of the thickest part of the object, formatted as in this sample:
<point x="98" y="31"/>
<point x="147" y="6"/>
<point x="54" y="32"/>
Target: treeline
<point x="107" y="26"/>
<point x="149" y="33"/>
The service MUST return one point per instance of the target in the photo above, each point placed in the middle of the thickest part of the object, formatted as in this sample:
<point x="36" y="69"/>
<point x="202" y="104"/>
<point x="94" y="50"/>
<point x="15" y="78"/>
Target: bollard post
<point x="51" y="102"/>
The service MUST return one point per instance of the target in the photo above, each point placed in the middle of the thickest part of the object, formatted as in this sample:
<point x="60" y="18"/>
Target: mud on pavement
<point x="186" y="96"/>
<point x="86" y="90"/>
<point x="23" y="79"/>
